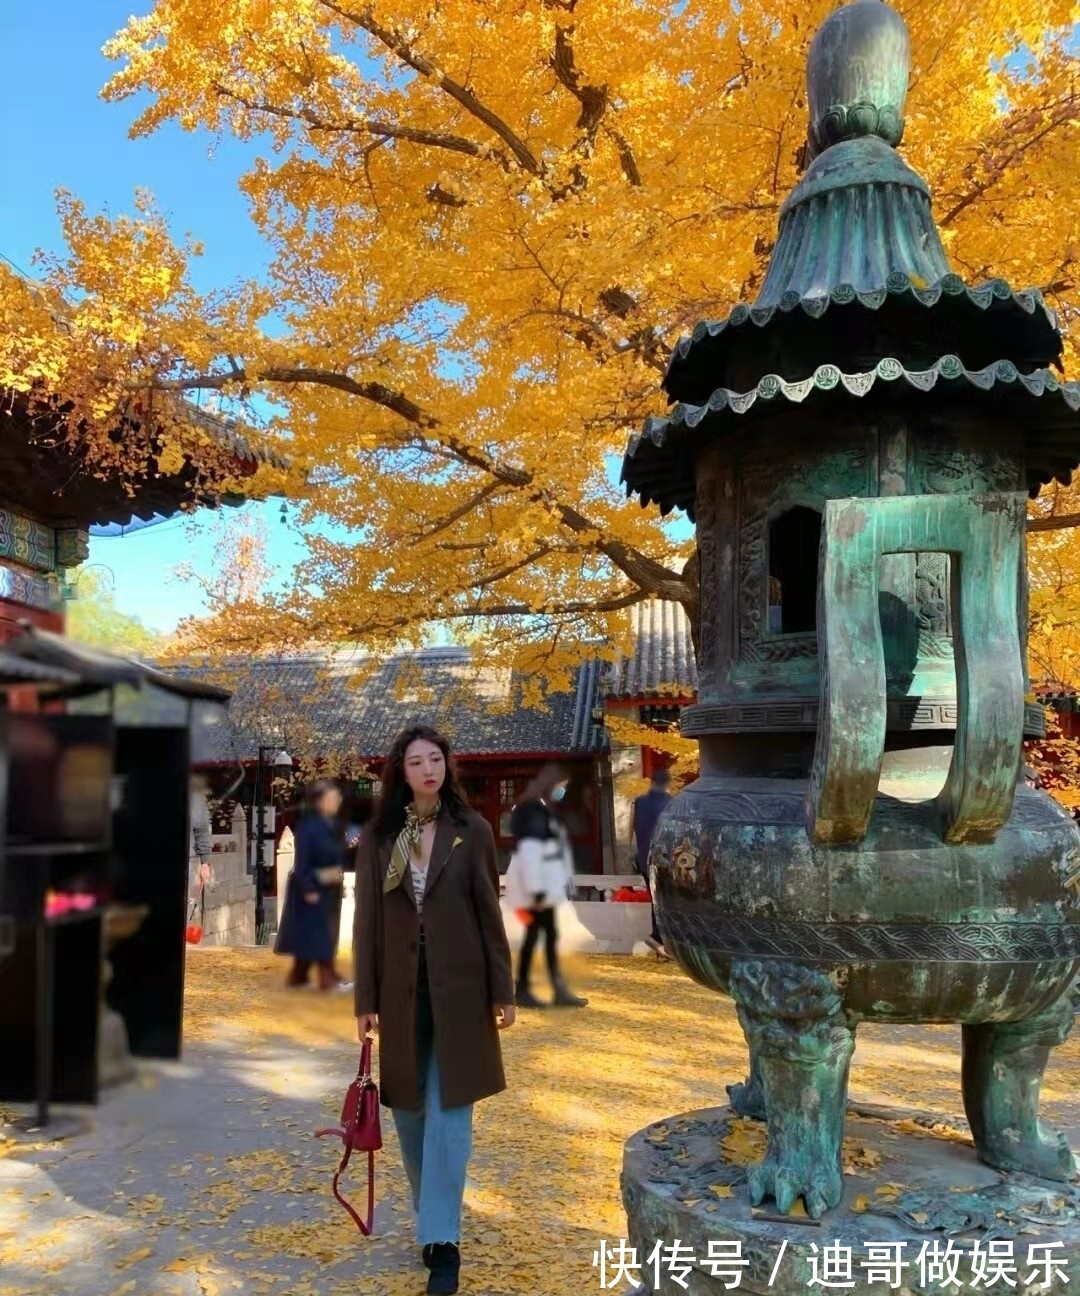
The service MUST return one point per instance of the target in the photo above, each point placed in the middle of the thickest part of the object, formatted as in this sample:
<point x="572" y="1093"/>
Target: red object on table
<point x="634" y="895"/>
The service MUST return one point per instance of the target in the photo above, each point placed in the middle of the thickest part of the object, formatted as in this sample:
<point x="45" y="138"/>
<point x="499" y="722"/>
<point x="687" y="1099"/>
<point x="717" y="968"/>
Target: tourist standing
<point x="313" y="891"/>
<point x="199" y="846"/>
<point x="540" y="877"/>
<point x="647" y="811"/>
<point x="433" y="976"/>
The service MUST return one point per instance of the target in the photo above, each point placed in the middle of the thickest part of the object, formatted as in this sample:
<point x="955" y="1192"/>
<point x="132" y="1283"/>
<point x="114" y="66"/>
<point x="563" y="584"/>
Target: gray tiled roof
<point x="662" y="662"/>
<point x="229" y="433"/>
<point x="348" y="705"/>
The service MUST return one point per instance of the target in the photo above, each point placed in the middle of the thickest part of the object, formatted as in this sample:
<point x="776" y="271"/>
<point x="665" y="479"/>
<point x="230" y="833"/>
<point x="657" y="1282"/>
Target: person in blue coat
<point x="313" y="891"/>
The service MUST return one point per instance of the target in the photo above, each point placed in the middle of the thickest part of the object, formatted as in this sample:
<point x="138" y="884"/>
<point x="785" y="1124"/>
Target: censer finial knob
<point x="857" y="76"/>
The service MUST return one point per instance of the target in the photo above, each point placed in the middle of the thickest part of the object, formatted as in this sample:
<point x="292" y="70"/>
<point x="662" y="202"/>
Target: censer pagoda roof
<point x="859" y="300"/>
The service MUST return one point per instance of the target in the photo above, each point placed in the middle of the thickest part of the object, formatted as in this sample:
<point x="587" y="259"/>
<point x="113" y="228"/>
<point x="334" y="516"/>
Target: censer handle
<point x="984" y="538"/>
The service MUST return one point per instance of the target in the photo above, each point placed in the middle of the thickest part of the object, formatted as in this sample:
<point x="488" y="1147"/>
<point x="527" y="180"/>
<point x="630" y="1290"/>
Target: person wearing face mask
<point x="540" y="877"/>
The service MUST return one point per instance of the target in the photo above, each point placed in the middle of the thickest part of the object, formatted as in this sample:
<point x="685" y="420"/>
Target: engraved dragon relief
<point x="709" y="590"/>
<point x="945" y="467"/>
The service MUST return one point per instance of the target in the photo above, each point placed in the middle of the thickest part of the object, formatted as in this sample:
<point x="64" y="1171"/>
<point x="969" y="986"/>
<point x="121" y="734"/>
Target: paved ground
<point x="203" y="1178"/>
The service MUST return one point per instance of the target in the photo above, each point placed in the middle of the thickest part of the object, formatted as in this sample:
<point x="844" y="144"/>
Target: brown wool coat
<point x="468" y="958"/>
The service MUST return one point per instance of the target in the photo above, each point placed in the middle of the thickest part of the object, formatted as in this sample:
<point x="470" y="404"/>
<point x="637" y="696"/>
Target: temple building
<point x="338" y="713"/>
<point x="648" y="685"/>
<point x="51" y="497"/>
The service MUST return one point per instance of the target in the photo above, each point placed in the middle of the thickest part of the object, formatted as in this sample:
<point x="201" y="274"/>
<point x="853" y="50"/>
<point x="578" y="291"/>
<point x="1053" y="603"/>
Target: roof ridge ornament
<point x="857" y="76"/>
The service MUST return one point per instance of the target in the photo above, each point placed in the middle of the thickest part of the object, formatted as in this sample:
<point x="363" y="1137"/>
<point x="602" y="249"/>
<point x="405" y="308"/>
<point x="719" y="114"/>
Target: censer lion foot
<point x="802" y="1043"/>
<point x="1002" y="1073"/>
<point x="748" y="1098"/>
<point x="787" y="1178"/>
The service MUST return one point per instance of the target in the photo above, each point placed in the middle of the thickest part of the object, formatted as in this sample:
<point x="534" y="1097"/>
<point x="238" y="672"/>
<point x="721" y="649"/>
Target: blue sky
<point x="58" y="133"/>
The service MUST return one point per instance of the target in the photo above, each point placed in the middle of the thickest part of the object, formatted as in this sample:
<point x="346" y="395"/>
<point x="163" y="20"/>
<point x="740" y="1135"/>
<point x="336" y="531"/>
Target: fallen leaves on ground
<point x="259" y="1219"/>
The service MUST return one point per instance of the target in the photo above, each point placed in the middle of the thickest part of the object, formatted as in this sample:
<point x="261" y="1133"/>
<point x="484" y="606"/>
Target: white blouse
<point x="419" y="884"/>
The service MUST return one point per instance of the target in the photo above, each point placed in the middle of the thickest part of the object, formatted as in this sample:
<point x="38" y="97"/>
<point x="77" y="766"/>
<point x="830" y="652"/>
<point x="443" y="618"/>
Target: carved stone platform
<point x="914" y="1193"/>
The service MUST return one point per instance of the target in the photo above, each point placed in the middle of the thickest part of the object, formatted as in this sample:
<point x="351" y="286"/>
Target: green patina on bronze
<point x="859" y="846"/>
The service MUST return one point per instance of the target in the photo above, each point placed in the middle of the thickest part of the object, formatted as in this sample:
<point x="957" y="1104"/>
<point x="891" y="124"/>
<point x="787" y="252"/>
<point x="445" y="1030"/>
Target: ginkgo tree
<point x="487" y="223"/>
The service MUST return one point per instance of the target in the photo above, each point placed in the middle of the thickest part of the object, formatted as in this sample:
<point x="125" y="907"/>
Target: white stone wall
<point x="283" y="863"/>
<point x="230" y="901"/>
<point x="592" y="927"/>
<point x="348" y="908"/>
<point x="625" y="768"/>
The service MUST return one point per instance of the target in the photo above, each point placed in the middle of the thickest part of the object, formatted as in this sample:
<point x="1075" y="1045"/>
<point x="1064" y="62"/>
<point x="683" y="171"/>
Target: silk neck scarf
<point x="407" y="844"/>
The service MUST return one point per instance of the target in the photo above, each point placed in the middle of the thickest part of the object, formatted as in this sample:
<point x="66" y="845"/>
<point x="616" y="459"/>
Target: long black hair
<point x="314" y="793"/>
<point x="395" y="794"/>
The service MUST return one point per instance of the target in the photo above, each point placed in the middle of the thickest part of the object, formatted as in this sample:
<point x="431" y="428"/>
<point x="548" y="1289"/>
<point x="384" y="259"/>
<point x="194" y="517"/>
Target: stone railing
<point x="230" y="901"/>
<point x="594" y="925"/>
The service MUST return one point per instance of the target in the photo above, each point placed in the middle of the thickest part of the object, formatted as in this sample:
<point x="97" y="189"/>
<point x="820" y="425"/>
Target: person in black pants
<point x="647" y="811"/>
<point x="541" y="875"/>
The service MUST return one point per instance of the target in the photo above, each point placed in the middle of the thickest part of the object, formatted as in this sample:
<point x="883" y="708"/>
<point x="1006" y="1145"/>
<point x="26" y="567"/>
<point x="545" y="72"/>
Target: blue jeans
<point x="436" y="1143"/>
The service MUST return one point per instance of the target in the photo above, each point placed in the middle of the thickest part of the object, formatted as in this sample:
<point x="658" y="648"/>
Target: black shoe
<point x="426" y="1254"/>
<point x="565" y="998"/>
<point x="524" y="998"/>
<point x="445" y="1264"/>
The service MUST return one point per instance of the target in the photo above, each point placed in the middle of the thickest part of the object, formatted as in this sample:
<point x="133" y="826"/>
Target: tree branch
<point x="1055" y="522"/>
<point x="1013" y="149"/>
<point x="493" y="578"/>
<point x="404" y="52"/>
<point x="651" y="576"/>
<point x="371" y="391"/>
<point x="626" y="156"/>
<point x="593" y="99"/>
<point x="474" y="501"/>
<point x="549" y="609"/>
<point x="382" y="130"/>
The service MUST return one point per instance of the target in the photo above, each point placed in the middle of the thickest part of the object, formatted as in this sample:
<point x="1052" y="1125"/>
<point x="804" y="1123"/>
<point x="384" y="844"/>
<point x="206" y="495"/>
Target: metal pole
<point x="44" y="1047"/>
<point x="260" y="849"/>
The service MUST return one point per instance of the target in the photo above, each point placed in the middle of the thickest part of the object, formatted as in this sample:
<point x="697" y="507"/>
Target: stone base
<point x="115" y="1065"/>
<point x="684" y="1180"/>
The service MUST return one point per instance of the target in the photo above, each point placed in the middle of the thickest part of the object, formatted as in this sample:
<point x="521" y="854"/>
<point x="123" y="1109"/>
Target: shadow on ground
<point x="204" y="1178"/>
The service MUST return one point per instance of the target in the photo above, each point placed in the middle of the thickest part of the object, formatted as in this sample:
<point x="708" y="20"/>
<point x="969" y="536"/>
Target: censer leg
<point x="794" y="1017"/>
<point x="748" y="1098"/>
<point x="1003" y="1065"/>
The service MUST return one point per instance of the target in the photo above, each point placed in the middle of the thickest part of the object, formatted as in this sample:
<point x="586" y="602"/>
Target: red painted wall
<point x="10" y="615"/>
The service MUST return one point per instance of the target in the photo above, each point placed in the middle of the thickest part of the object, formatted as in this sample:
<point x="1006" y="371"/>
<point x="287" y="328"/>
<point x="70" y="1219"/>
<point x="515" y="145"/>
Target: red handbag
<point x="360" y="1132"/>
<point x="193" y="933"/>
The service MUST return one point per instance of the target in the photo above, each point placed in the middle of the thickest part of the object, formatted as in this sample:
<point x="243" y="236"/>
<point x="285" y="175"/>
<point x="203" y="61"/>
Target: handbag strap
<point x="362" y="1225"/>
<point x="200" y="903"/>
<point x="363" y="1074"/>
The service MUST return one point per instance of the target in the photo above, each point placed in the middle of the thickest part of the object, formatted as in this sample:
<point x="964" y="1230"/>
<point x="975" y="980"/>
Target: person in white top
<point x="539" y="878"/>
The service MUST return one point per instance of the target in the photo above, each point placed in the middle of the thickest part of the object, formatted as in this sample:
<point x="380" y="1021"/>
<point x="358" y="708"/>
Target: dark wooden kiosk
<point x="94" y="754"/>
<point x="94" y="797"/>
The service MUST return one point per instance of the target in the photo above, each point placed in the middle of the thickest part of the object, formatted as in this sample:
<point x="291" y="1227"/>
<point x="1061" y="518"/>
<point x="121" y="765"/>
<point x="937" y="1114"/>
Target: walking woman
<point x="540" y="877"/>
<point x="311" y="914"/>
<point x="433" y="976"/>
